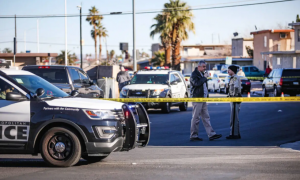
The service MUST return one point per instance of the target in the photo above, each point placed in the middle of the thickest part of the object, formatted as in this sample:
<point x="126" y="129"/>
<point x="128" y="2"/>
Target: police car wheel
<point x="93" y="159"/>
<point x="184" y="106"/>
<point x="60" y="147"/>
<point x="166" y="108"/>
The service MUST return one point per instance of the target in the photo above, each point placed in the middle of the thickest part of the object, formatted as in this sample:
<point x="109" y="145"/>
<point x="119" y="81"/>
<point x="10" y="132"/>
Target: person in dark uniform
<point x="234" y="91"/>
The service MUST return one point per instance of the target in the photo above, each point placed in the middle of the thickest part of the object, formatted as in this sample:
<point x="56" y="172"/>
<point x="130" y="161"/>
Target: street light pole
<point x="80" y="38"/>
<point x="38" y="38"/>
<point x="134" y="51"/>
<point x="66" y="47"/>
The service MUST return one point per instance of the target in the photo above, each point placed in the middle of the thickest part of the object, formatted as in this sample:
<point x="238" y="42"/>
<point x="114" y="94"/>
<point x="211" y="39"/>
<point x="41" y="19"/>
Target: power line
<point x="49" y="43"/>
<point x="145" y="12"/>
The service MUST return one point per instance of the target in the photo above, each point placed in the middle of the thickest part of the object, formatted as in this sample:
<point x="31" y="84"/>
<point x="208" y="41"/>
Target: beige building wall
<point x="268" y="42"/>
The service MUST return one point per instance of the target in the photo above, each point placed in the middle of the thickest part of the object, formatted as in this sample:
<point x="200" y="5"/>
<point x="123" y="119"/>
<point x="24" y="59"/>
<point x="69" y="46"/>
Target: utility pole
<point x="66" y="47"/>
<point x="16" y="32"/>
<point x="134" y="51"/>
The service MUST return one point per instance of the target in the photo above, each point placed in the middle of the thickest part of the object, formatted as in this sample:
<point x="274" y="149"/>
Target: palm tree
<point x="161" y="27"/>
<point x="159" y="59"/>
<point x="94" y="20"/>
<point x="61" y="58"/>
<point x="100" y="32"/>
<point x="180" y="22"/>
<point x="112" y="54"/>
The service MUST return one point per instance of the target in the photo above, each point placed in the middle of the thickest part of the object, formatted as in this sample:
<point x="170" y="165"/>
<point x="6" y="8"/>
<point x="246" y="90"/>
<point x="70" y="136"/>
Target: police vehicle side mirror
<point x="14" y="96"/>
<point x="174" y="83"/>
<point x="40" y="92"/>
<point x="74" y="93"/>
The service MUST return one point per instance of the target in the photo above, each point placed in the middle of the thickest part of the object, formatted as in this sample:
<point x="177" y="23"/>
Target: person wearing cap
<point x="198" y="82"/>
<point x="122" y="78"/>
<point x="234" y="91"/>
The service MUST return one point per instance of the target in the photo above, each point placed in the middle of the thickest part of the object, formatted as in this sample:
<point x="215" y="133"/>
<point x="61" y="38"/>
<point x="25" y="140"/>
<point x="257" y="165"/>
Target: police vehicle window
<point x="271" y="74"/>
<point x="6" y="88"/>
<point x="246" y="69"/>
<point x="51" y="75"/>
<point x="178" y="79"/>
<point x="32" y="83"/>
<point x="173" y="78"/>
<point x="149" y="79"/>
<point x="84" y="77"/>
<point x="253" y="69"/>
<point x="75" y="76"/>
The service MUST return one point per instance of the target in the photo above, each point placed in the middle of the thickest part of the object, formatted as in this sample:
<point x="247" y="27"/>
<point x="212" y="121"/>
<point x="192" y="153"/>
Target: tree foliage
<point x="159" y="59"/>
<point x="7" y="50"/>
<point x="249" y="51"/>
<point x="297" y="18"/>
<point x="61" y="58"/>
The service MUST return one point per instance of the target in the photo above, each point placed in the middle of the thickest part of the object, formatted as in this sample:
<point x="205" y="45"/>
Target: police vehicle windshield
<point x="32" y="83"/>
<point x="150" y="79"/>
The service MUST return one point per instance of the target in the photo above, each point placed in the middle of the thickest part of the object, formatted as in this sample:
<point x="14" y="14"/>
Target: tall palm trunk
<point x="176" y="65"/>
<point x="168" y="55"/>
<point x="100" y="49"/>
<point x="95" y="38"/>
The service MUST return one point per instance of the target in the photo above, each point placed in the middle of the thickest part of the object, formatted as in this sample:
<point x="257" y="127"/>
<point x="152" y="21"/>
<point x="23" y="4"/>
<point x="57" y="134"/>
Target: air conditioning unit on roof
<point x="282" y="35"/>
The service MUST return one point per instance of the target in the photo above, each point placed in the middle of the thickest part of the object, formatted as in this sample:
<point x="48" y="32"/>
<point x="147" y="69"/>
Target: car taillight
<point x="126" y="114"/>
<point x="248" y="83"/>
<point x="186" y="80"/>
<point x="281" y="82"/>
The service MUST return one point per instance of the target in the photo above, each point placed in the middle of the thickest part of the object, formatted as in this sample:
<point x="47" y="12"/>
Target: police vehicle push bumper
<point x="132" y="130"/>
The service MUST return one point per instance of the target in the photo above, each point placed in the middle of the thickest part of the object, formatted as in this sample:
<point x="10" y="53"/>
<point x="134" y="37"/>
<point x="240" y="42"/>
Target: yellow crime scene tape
<point x="263" y="78"/>
<point x="228" y="99"/>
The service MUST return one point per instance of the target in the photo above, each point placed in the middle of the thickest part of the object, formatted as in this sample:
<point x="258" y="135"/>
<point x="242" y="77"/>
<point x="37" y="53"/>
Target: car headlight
<point x="124" y="92"/>
<point x="157" y="92"/>
<point x="99" y="114"/>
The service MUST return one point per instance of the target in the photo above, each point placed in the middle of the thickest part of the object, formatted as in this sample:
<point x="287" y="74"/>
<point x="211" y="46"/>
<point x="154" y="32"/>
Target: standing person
<point x="198" y="81"/>
<point x="241" y="73"/>
<point x="268" y="71"/>
<point x="122" y="78"/>
<point x="234" y="91"/>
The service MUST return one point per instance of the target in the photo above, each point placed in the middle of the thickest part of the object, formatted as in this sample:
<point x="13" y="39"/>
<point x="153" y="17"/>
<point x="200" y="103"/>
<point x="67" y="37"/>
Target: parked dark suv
<point x="282" y="80"/>
<point x="68" y="78"/>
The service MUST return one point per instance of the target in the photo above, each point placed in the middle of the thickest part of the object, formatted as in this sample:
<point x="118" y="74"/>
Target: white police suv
<point x="157" y="82"/>
<point x="37" y="117"/>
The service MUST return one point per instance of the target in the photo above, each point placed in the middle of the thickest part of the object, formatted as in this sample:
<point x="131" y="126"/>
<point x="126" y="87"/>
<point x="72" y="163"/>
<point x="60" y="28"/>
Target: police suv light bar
<point x="152" y="68"/>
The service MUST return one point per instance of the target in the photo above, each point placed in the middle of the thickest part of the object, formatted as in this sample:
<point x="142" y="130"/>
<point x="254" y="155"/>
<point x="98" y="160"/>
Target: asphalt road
<point x="170" y="154"/>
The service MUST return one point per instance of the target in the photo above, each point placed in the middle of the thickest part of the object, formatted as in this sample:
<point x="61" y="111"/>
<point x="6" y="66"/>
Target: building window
<point x="265" y="41"/>
<point x="294" y="62"/>
<point x="278" y="61"/>
<point x="278" y="47"/>
<point x="298" y="35"/>
<point x="208" y="48"/>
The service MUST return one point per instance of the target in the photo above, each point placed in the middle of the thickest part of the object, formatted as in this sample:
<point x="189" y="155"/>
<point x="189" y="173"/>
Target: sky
<point x="212" y="26"/>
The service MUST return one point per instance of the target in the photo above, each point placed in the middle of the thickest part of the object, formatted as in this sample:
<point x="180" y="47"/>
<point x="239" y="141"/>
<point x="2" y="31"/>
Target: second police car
<point x="157" y="82"/>
<point x="37" y="117"/>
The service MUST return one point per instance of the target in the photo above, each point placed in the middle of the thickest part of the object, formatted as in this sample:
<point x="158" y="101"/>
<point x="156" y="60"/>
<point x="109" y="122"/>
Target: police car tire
<point x="166" y="107"/>
<point x="93" y="159"/>
<point x="75" y="149"/>
<point x="183" y="106"/>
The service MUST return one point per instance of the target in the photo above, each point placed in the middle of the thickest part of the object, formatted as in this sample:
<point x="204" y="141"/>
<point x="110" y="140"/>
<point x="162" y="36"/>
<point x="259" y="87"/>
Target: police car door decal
<point x="14" y="119"/>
